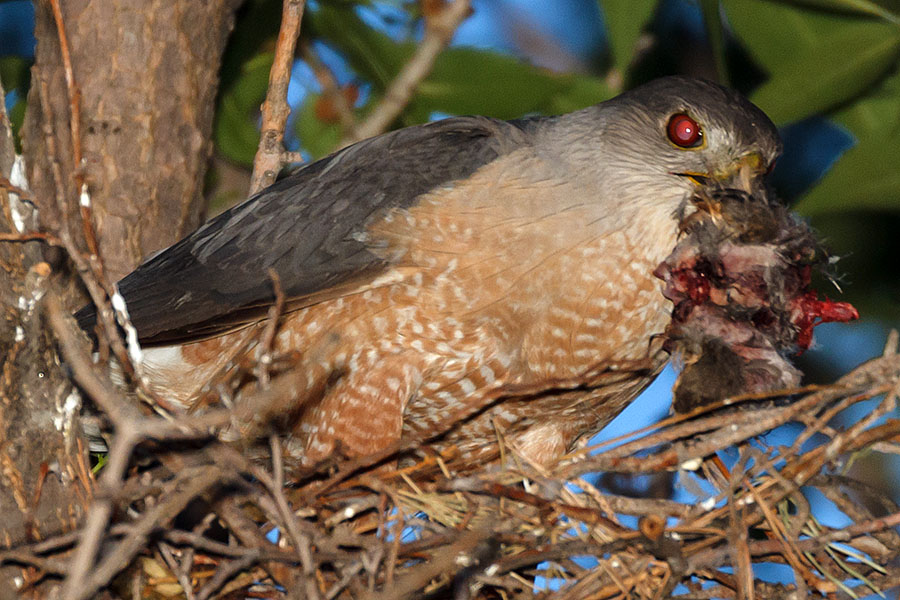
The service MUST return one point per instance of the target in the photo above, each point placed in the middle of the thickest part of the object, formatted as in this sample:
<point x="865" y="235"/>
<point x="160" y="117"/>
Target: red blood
<point x="692" y="283"/>
<point x="807" y="311"/>
<point x="698" y="288"/>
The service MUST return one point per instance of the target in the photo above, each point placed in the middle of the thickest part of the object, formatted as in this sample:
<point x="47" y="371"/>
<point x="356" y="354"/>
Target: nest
<point x="204" y="521"/>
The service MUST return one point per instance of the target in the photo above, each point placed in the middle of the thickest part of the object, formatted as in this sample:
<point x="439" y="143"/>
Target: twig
<point x="449" y="559"/>
<point x="288" y="520"/>
<point x="24" y="557"/>
<point x="188" y="486"/>
<point x="713" y="558"/>
<point x="181" y="574"/>
<point x="74" y="93"/>
<point x="248" y="533"/>
<point x="98" y="516"/>
<point x="71" y="87"/>
<point x="129" y="358"/>
<point x="292" y="157"/>
<point x="275" y="109"/>
<point x="223" y="574"/>
<point x="586" y="515"/>
<point x="102" y="391"/>
<point x="267" y="338"/>
<point x="131" y="429"/>
<point x="199" y="542"/>
<point x="47" y="238"/>
<point x="439" y="29"/>
<point x="740" y="553"/>
<point x="7" y="185"/>
<point x="730" y="428"/>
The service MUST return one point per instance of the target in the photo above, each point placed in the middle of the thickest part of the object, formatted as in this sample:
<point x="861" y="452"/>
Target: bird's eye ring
<point x="684" y="131"/>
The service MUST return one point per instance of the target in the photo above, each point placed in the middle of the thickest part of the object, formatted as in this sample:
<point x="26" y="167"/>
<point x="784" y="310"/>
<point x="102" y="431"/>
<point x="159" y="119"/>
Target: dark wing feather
<point x="302" y="227"/>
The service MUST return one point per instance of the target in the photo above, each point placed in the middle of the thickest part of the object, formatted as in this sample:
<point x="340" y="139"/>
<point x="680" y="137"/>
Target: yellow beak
<point x="741" y="174"/>
<point x="745" y="174"/>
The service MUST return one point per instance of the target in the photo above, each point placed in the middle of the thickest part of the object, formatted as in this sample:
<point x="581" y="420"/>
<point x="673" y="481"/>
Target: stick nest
<point x="200" y="520"/>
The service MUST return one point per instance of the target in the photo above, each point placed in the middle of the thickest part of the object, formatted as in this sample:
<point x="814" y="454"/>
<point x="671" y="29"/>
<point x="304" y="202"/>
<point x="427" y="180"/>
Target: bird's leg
<point x="362" y="412"/>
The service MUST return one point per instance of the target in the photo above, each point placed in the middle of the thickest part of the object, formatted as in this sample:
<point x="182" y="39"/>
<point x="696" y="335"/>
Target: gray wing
<point x="304" y="228"/>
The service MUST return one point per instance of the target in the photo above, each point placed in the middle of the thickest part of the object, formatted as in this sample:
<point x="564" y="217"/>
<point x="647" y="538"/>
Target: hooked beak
<point x="746" y="174"/>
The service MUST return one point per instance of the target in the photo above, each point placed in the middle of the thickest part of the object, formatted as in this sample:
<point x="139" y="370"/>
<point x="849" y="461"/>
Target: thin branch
<point x="223" y="574"/>
<point x="182" y="575"/>
<point x="16" y="238"/>
<point x="74" y="94"/>
<point x="275" y="109"/>
<point x="267" y="339"/>
<point x="77" y="357"/>
<point x="715" y="557"/>
<point x="8" y="185"/>
<point x="88" y="269"/>
<point x="440" y="26"/>
<point x="91" y="269"/>
<point x="187" y="486"/>
<point x="71" y="87"/>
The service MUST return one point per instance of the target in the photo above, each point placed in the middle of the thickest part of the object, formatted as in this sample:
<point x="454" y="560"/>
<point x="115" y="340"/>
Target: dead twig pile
<point x="200" y="520"/>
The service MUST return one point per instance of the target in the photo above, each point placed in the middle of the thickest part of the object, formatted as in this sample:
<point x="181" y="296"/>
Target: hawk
<point x="457" y="281"/>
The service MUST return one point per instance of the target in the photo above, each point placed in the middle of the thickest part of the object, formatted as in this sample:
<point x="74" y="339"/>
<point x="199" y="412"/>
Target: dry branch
<point x="436" y="524"/>
<point x="440" y="25"/>
<point x="275" y="110"/>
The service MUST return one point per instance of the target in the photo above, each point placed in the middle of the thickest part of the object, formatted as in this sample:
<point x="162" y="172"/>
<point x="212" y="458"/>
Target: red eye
<point x="684" y="131"/>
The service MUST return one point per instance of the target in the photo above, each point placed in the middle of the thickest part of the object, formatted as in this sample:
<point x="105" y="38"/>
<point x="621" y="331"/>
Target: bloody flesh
<point x="739" y="280"/>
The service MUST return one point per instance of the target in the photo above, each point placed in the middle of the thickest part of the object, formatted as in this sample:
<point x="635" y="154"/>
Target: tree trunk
<point x="43" y="482"/>
<point x="147" y="73"/>
<point x="144" y="81"/>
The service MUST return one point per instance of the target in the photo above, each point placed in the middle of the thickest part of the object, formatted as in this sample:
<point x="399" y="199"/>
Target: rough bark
<point x="145" y="82"/>
<point x="43" y="478"/>
<point x="147" y="73"/>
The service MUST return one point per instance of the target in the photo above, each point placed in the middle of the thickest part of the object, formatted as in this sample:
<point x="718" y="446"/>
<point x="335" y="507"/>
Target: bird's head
<point x="669" y="139"/>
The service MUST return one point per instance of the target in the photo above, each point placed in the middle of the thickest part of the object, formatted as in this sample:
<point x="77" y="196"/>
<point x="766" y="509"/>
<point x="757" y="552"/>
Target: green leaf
<point x="470" y="81"/>
<point x="462" y="81"/>
<point x="16" y="116"/>
<point x="316" y="137"/>
<point x="867" y="177"/>
<point x="625" y="19"/>
<point x="775" y="32"/>
<point x="858" y="7"/>
<point x="256" y="25"/>
<point x="875" y="114"/>
<point x="236" y="130"/>
<point x="102" y="459"/>
<point x="820" y="78"/>
<point x="371" y="54"/>
<point x="712" y="18"/>
<point x="15" y="73"/>
<point x="582" y="92"/>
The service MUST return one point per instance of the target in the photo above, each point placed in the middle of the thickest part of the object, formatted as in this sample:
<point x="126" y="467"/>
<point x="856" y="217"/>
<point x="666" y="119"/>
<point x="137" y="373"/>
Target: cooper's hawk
<point x="456" y="279"/>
